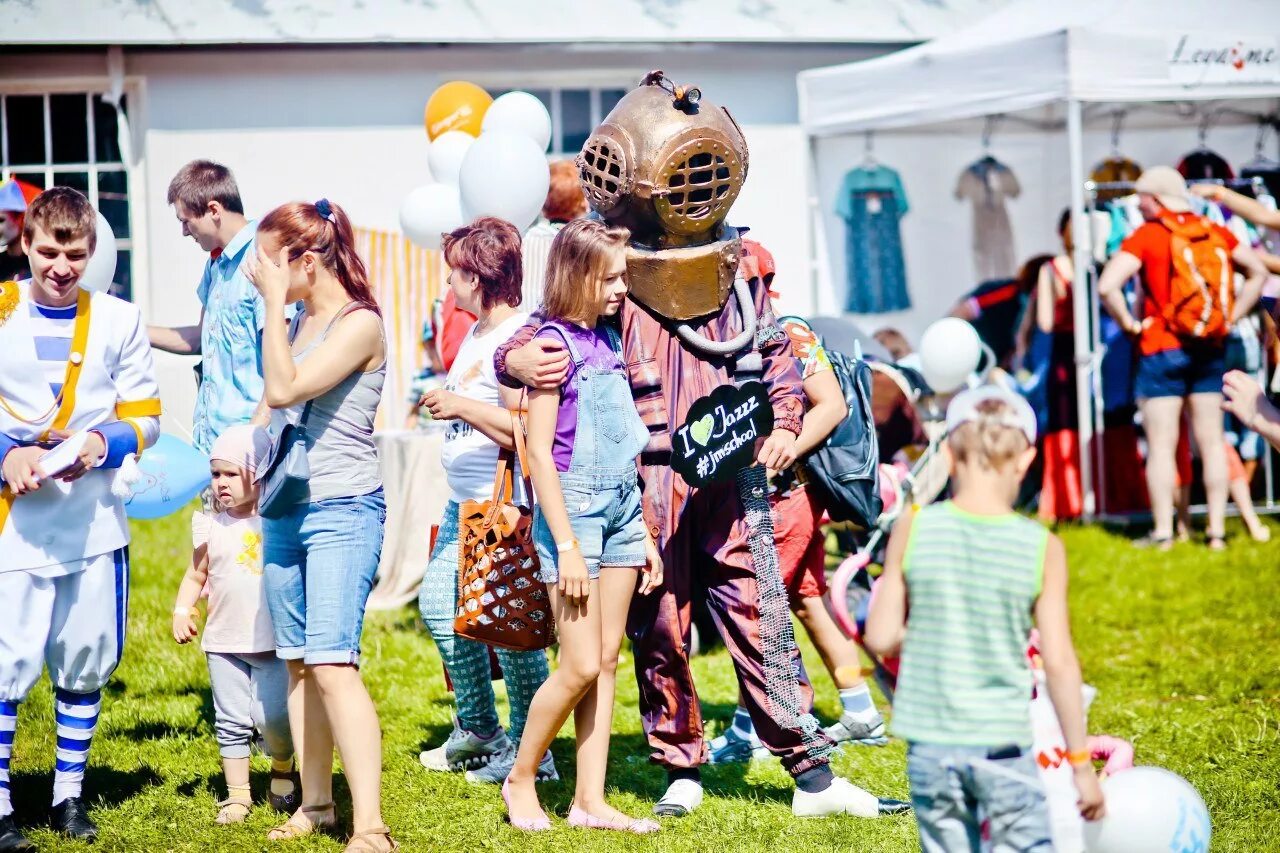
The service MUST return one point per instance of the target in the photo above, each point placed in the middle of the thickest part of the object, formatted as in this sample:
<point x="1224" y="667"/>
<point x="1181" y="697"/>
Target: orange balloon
<point x="457" y="105"/>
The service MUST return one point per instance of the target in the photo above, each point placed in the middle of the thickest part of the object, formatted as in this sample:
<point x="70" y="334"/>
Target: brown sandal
<point x="293" y="828"/>
<point x="233" y="810"/>
<point x="364" y="842"/>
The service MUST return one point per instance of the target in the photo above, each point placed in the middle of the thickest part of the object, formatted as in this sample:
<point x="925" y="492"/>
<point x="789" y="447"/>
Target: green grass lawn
<point x="1181" y="646"/>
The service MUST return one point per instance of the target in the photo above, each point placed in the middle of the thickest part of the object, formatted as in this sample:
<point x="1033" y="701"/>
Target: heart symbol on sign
<point x="701" y="429"/>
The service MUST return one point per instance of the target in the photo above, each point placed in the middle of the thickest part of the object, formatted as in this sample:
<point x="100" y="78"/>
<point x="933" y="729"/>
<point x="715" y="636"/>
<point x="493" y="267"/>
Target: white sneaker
<point x="843" y="797"/>
<point x="465" y="750"/>
<point x="682" y="797"/>
<point x="497" y="770"/>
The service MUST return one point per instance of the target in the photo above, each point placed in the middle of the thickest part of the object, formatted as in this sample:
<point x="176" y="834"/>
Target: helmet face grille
<point x="701" y="182"/>
<point x="603" y="168"/>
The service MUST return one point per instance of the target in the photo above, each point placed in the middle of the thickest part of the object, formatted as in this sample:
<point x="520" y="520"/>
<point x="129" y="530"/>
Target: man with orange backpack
<point x="1188" y="269"/>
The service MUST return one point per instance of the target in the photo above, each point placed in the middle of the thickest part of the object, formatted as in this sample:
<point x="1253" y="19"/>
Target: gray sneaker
<point x="496" y="771"/>
<point x="465" y="750"/>
<point x="861" y="732"/>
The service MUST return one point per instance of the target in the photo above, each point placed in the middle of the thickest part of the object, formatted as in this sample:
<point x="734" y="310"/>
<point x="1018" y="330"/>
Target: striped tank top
<point x="971" y="584"/>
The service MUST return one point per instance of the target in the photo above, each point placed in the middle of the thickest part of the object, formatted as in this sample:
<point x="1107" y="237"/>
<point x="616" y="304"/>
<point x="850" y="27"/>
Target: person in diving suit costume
<point x="668" y="165"/>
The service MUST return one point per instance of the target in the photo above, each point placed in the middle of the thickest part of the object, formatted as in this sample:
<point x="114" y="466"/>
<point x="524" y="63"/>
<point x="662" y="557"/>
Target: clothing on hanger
<point x="1205" y="165"/>
<point x="872" y="201"/>
<point x="1115" y="169"/>
<point x="1268" y="171"/>
<point x="986" y="183"/>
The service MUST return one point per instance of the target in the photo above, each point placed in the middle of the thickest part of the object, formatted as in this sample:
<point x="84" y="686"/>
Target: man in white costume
<point x="76" y="368"/>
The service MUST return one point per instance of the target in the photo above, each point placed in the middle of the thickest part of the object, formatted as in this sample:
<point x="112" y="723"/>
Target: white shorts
<point x="74" y="623"/>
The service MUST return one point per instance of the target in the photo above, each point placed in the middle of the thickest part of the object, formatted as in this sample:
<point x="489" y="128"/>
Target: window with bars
<point x="574" y="114"/>
<point x="71" y="139"/>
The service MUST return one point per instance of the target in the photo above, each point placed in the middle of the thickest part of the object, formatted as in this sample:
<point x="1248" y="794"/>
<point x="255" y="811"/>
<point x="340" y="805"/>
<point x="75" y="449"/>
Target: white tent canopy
<point x="1049" y="60"/>
<point x="1035" y="53"/>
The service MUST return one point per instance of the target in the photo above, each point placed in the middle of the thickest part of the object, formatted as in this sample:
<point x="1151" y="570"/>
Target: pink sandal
<point x="537" y="824"/>
<point x="639" y="826"/>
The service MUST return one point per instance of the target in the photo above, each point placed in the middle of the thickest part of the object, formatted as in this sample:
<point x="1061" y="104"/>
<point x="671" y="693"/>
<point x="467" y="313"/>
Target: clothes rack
<point x="1098" y="350"/>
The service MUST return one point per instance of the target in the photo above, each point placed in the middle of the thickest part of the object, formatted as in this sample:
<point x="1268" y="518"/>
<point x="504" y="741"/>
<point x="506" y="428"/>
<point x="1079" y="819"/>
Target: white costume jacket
<point x="110" y="386"/>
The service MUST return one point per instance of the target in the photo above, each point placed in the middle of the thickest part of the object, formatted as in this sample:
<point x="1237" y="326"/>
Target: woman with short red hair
<point x="484" y="277"/>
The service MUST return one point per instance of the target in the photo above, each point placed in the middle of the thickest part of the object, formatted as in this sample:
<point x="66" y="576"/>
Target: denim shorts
<point x="319" y="563"/>
<point x="955" y="789"/>
<point x="606" y="521"/>
<point x="1194" y="368"/>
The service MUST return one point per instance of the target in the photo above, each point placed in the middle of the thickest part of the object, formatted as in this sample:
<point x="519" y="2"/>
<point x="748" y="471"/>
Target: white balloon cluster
<point x="503" y="173"/>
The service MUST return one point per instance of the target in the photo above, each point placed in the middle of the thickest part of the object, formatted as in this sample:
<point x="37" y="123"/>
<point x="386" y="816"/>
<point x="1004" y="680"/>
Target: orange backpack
<point x="1202" y="287"/>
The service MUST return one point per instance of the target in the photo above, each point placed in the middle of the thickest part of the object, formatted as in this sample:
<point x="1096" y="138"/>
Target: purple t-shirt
<point x="593" y="346"/>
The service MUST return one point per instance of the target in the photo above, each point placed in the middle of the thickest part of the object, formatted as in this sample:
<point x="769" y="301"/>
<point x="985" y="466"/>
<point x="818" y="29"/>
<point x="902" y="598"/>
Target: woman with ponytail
<point x="327" y="368"/>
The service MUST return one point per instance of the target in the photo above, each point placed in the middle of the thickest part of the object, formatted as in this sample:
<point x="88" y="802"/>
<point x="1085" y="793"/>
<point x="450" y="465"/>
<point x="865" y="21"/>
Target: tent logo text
<point x="1196" y="59"/>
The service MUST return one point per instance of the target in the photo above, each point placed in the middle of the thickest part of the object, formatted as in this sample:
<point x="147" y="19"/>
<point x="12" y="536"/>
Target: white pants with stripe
<point x="74" y="623"/>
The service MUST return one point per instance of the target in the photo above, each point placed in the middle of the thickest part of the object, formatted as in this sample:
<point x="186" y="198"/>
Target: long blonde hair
<point x="577" y="265"/>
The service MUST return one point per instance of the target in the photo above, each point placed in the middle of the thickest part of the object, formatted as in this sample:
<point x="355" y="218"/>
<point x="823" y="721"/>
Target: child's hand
<point x="778" y="451"/>
<point x="575" y="581"/>
<point x="184" y="625"/>
<point x="651" y="574"/>
<point x="1090" y="804"/>
<point x="1243" y="397"/>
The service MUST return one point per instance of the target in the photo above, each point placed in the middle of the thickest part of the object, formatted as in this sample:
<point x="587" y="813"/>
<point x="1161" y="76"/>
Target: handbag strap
<point x="504" y="480"/>
<point x="517" y="430"/>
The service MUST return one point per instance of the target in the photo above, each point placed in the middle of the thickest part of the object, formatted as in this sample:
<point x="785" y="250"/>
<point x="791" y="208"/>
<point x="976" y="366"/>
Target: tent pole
<point x="1081" y="294"/>
<point x="817" y="245"/>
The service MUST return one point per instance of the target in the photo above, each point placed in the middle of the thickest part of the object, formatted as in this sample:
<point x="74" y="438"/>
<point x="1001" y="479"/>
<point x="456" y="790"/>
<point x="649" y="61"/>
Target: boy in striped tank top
<point x="976" y="577"/>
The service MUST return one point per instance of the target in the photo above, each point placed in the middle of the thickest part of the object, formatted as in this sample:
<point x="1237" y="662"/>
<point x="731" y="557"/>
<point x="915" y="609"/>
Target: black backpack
<point x="845" y="469"/>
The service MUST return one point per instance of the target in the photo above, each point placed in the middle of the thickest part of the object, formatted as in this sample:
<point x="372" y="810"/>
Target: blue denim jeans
<point x="955" y="789"/>
<point x="319" y="563"/>
<point x="467" y="661"/>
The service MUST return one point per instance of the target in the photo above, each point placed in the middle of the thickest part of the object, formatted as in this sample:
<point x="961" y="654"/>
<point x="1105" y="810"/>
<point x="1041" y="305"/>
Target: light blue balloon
<point x="173" y="472"/>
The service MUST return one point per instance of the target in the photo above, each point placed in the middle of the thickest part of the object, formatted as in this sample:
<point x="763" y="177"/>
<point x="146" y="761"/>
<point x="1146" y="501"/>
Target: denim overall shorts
<point x="601" y="488"/>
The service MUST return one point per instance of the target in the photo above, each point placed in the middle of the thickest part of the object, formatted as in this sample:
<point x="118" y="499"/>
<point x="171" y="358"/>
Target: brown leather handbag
<point x="501" y="602"/>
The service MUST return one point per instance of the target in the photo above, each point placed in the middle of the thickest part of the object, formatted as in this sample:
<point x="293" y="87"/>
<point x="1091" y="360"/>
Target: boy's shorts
<point x="797" y="534"/>
<point x="954" y="788"/>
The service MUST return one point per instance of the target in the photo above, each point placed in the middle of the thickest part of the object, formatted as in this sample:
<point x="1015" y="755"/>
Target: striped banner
<point x="406" y="281"/>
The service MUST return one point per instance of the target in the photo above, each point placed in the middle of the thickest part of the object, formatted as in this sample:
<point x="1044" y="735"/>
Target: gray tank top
<point x="340" y="448"/>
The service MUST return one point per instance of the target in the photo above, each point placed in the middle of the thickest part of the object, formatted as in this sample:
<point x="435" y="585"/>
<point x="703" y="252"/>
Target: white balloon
<point x="445" y="155"/>
<point x="429" y="212"/>
<point x="101" y="269"/>
<point x="949" y="351"/>
<point x="1149" y="810"/>
<point x="504" y="175"/>
<point x="519" y="112"/>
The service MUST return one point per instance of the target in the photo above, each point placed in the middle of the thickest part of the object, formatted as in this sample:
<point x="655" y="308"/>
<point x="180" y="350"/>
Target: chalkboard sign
<point x="718" y="438"/>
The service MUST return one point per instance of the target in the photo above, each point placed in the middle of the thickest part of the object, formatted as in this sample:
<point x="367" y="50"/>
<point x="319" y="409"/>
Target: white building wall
<point x="302" y="123"/>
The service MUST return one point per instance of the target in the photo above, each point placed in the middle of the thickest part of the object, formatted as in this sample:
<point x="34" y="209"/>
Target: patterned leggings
<point x="467" y="661"/>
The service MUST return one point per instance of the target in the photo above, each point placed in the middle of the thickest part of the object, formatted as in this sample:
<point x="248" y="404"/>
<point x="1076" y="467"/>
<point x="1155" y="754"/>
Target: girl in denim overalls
<point x="584" y="438"/>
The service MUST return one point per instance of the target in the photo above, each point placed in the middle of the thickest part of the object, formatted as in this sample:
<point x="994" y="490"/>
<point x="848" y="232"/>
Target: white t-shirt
<point x="238" y="621"/>
<point x="469" y="457"/>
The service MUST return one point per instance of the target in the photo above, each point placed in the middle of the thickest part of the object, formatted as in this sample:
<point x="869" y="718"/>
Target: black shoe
<point x="287" y="803"/>
<point x="892" y="807"/>
<point x="11" y="838"/>
<point x="70" y="818"/>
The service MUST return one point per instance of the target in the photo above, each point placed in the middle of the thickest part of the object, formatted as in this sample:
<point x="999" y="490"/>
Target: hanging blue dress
<point x="871" y="202"/>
